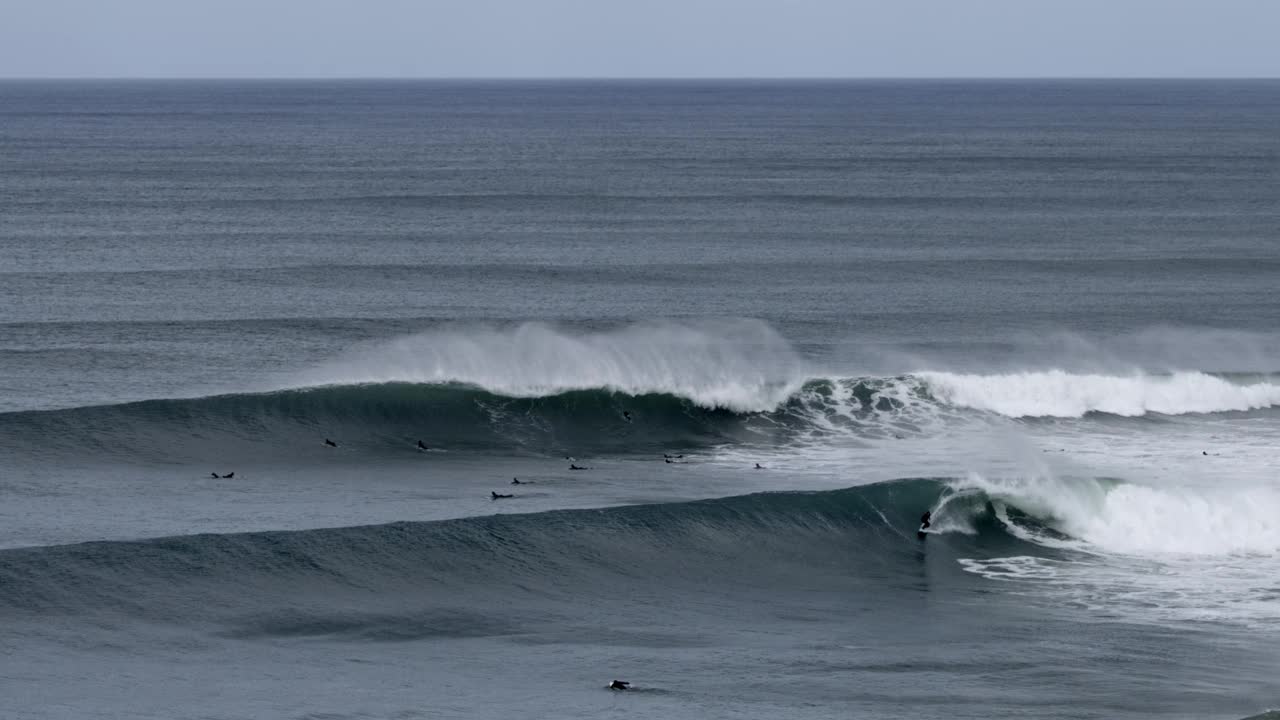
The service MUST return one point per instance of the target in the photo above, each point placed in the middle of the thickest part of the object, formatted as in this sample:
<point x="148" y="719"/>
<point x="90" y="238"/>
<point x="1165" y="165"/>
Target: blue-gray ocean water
<point x="773" y="322"/>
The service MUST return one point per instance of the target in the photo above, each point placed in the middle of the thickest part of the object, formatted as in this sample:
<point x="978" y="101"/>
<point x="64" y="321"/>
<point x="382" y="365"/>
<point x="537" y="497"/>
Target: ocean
<point x="771" y="322"/>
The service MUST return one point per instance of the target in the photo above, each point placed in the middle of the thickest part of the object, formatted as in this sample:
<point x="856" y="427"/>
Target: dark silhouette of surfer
<point x="500" y="496"/>
<point x="626" y="415"/>
<point x="422" y="446"/>
<point x="330" y="443"/>
<point x="924" y="523"/>
<point x="576" y="467"/>
<point x="215" y="476"/>
<point x="518" y="481"/>
<point x="228" y="476"/>
<point x="619" y="685"/>
<point x="759" y="466"/>
<point x="668" y="461"/>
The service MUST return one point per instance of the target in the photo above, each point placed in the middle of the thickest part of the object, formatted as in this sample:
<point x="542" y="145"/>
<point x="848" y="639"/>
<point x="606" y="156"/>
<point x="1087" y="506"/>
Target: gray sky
<point x="639" y="38"/>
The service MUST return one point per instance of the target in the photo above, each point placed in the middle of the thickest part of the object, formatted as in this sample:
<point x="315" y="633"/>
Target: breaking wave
<point x="406" y="580"/>
<point x="541" y="388"/>
<point x="739" y="365"/>
<point x="1119" y="517"/>
<point x="461" y="416"/>
<point x="578" y="553"/>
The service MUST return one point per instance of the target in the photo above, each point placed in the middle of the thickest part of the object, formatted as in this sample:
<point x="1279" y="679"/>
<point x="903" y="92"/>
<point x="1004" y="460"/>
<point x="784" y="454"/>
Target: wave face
<point x="292" y="583"/>
<point x="601" y="420"/>
<point x="577" y="553"/>
<point x="375" y="417"/>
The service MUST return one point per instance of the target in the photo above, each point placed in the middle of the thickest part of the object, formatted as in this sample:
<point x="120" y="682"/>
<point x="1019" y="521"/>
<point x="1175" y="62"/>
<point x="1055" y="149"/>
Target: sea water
<point x="1045" y="311"/>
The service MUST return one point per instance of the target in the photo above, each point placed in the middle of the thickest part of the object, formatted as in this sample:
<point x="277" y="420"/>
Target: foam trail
<point x="740" y="365"/>
<point x="1141" y="520"/>
<point x="1055" y="393"/>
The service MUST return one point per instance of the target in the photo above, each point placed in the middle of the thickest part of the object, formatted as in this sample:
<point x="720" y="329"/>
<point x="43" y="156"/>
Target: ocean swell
<point x="373" y="417"/>
<point x="475" y="576"/>
<point x="796" y="536"/>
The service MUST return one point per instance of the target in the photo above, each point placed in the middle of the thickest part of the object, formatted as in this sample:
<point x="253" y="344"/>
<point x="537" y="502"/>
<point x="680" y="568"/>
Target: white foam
<point x="741" y="365"/>
<point x="1055" y="393"/>
<point x="1018" y="567"/>
<point x="1143" y="520"/>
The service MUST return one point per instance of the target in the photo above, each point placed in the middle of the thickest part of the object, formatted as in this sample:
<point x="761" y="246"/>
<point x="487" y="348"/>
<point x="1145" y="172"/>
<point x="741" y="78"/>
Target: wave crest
<point x="739" y="365"/>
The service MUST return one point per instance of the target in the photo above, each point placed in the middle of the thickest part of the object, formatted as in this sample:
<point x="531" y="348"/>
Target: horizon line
<point x="635" y="78"/>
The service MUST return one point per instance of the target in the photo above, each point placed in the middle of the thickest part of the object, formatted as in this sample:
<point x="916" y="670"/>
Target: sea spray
<point x="740" y="365"/>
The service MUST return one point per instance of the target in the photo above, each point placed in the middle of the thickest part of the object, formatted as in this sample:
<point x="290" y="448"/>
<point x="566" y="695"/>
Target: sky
<point x="639" y="38"/>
